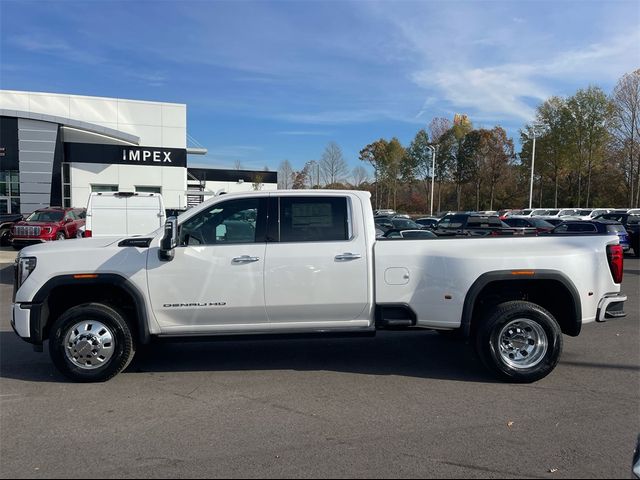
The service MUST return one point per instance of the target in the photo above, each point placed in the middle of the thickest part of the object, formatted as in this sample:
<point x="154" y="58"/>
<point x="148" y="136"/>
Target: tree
<point x="499" y="153"/>
<point x="359" y="175"/>
<point x="420" y="159"/>
<point x="626" y="129"/>
<point x="375" y="154"/>
<point x="332" y="165"/>
<point x="438" y="127"/>
<point x="237" y="165"/>
<point x="285" y="175"/>
<point x="258" y="179"/>
<point x="590" y="113"/>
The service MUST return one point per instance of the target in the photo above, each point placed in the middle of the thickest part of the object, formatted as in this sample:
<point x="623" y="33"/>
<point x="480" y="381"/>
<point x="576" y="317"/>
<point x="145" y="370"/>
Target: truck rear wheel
<point x="519" y="341"/>
<point x="91" y="343"/>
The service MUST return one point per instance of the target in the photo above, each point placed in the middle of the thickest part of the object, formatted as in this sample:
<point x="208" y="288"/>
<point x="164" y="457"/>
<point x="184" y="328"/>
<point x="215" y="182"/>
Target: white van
<point x="120" y="214"/>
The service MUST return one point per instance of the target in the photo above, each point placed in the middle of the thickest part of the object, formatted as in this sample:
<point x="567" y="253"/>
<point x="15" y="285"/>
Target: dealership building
<point x="56" y="149"/>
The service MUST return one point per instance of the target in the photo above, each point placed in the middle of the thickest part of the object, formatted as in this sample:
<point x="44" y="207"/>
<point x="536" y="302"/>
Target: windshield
<point x="46" y="216"/>
<point x="407" y="224"/>
<point x="538" y="212"/>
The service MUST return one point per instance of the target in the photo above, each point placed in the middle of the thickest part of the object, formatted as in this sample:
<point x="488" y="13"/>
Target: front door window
<point x="5" y="206"/>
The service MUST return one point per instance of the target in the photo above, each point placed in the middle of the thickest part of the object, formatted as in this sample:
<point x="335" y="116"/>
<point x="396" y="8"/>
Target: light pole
<point x="532" y="130"/>
<point x="433" y="172"/>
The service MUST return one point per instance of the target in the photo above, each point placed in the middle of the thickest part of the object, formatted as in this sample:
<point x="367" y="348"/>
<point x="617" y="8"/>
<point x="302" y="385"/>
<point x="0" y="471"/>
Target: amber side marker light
<point x="85" y="276"/>
<point x="523" y="272"/>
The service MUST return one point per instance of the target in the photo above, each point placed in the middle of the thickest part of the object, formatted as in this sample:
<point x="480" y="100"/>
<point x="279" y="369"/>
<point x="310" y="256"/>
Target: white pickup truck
<point x="308" y="262"/>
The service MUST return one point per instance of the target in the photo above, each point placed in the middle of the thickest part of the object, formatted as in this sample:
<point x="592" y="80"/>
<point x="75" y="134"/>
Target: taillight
<point x="87" y="234"/>
<point x="615" y="256"/>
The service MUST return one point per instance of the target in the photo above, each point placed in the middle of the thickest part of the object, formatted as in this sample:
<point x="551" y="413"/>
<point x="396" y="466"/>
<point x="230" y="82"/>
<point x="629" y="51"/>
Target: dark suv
<point x="632" y="225"/>
<point x="47" y="224"/>
<point x="574" y="227"/>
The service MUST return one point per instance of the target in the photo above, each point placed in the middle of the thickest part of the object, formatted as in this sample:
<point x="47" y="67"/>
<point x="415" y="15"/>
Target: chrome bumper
<point x="611" y="306"/>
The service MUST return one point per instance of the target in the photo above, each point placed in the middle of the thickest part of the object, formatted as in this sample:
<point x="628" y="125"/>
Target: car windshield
<point x="538" y="212"/>
<point x="46" y="216"/>
<point x="633" y="220"/>
<point x="567" y="212"/>
<point x="553" y="212"/>
<point x="584" y="213"/>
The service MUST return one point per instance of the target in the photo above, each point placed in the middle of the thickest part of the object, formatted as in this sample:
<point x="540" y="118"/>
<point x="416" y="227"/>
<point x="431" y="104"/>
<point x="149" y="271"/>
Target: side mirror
<point x="170" y="239"/>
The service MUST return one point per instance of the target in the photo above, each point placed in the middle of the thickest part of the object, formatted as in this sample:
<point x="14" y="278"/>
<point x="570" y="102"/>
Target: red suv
<point x="47" y="224"/>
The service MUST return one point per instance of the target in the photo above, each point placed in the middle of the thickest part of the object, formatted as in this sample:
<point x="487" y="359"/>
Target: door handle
<point x="345" y="257"/>
<point x="245" y="259"/>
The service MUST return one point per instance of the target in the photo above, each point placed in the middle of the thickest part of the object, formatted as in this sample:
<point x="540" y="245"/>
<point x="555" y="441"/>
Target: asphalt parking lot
<point x="400" y="405"/>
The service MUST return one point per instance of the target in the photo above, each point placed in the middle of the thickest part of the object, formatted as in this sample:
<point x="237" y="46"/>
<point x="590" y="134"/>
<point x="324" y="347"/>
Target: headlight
<point x="24" y="267"/>
<point x="47" y="230"/>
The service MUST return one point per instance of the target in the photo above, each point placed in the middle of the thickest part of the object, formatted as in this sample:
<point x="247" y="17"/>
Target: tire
<point x="60" y="236"/>
<point x="5" y="235"/>
<point x="519" y="341"/>
<point x="73" y="347"/>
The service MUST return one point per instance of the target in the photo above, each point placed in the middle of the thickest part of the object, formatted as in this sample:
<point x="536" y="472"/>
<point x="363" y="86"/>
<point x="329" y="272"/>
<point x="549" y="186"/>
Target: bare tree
<point x="237" y="165"/>
<point x="626" y="102"/>
<point x="359" y="175"/>
<point x="438" y="127"/>
<point x="332" y="165"/>
<point x="285" y="175"/>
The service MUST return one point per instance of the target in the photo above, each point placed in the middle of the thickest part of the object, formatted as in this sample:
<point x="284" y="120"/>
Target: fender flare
<point x="112" y="279"/>
<point x="501" y="275"/>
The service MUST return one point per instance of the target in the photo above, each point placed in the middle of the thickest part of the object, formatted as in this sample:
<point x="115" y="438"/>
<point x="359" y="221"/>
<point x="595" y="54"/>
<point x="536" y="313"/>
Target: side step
<point x="395" y="317"/>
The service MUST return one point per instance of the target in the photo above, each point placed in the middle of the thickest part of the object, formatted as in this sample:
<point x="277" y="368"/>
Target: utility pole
<point x="433" y="171"/>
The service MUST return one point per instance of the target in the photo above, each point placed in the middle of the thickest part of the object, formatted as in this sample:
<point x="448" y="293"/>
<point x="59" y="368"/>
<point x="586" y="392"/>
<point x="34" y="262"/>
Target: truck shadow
<point x="6" y="274"/>
<point x="414" y="354"/>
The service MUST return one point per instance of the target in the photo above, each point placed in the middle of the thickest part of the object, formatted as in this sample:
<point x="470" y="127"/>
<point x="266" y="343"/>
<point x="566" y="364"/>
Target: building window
<point x="148" y="189"/>
<point x="10" y="190"/>
<point x="66" y="185"/>
<point x="104" y="188"/>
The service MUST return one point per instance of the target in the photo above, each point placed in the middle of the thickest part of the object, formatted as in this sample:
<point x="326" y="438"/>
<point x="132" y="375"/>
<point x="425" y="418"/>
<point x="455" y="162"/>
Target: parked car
<point x="6" y="222"/>
<point x="119" y="214"/>
<point x="428" y="222"/>
<point x="384" y="212"/>
<point x="472" y="225"/>
<point x="631" y="223"/>
<point x="539" y="223"/>
<point x="555" y="221"/>
<point x="594" y="226"/>
<point x="47" y="224"/>
<point x="634" y="211"/>
<point x="414" y="234"/>
<point x="387" y="224"/>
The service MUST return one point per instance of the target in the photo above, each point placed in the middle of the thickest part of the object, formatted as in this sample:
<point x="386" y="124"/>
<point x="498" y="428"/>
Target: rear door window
<point x="314" y="219"/>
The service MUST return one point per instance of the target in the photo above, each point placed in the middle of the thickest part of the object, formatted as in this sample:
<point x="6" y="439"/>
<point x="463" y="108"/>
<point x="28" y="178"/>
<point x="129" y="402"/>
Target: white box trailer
<point x="120" y="214"/>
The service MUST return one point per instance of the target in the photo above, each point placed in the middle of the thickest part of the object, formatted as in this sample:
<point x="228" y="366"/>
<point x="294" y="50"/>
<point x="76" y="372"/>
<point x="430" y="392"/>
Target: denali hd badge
<point x="196" y="304"/>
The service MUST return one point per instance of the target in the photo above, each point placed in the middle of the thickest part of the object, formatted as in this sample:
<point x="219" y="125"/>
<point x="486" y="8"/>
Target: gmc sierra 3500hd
<point x="308" y="262"/>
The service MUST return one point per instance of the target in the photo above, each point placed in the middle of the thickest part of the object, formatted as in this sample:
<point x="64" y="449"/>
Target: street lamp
<point x="433" y="171"/>
<point x="533" y="131"/>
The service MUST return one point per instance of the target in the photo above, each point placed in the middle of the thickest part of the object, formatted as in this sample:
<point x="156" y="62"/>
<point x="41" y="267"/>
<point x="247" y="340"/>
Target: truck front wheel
<point x="519" y="341"/>
<point x="91" y="343"/>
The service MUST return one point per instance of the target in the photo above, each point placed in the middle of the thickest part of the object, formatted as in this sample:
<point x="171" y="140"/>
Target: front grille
<point x="28" y="231"/>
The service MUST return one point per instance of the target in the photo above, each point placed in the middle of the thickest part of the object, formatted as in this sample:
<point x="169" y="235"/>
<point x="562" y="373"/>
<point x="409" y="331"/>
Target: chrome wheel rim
<point x="523" y="343"/>
<point x="89" y="345"/>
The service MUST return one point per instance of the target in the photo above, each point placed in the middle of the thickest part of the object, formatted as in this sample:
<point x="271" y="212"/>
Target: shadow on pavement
<point x="414" y="354"/>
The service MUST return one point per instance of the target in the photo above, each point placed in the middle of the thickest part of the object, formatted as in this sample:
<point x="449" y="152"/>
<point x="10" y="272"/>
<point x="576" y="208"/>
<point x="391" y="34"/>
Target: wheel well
<point x="551" y="294"/>
<point x="63" y="297"/>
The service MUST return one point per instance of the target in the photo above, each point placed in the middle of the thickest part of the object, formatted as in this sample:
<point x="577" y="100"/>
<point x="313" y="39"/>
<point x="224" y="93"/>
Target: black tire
<point x="123" y="343"/>
<point x="60" y="236"/>
<point x="5" y="237"/>
<point x="542" y="325"/>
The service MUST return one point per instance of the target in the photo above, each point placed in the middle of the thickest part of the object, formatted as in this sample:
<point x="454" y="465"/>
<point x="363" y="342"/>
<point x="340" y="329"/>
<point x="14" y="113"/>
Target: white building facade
<point x="56" y="149"/>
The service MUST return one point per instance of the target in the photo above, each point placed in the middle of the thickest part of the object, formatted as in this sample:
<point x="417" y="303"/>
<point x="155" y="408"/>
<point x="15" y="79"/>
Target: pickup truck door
<point x="215" y="281"/>
<point x="316" y="270"/>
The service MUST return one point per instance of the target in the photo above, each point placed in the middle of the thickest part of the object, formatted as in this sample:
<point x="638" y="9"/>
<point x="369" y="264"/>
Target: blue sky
<point x="267" y="81"/>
